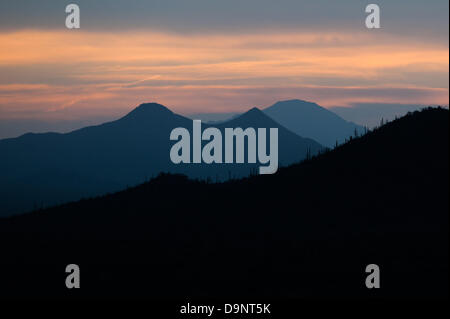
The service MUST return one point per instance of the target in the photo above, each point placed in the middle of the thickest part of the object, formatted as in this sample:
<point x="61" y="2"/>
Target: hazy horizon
<point x="367" y="115"/>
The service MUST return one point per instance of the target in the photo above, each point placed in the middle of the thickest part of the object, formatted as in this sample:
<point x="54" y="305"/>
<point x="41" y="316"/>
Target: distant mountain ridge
<point x="51" y="168"/>
<point x="308" y="119"/>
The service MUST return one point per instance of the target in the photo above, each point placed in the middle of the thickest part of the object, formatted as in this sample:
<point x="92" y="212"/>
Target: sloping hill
<point x="308" y="231"/>
<point x="308" y="119"/>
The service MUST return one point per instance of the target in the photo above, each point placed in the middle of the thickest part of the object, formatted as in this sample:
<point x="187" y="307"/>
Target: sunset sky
<point x="211" y="56"/>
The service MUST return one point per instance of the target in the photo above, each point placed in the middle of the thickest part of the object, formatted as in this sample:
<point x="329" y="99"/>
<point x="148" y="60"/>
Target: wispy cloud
<point x="63" y="73"/>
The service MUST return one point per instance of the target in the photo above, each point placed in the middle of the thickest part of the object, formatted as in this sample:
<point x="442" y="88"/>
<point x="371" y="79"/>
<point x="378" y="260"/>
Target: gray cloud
<point x="420" y="19"/>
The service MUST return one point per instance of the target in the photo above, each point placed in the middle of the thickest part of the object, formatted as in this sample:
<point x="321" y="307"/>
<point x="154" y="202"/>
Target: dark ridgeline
<point x="308" y="119"/>
<point x="307" y="231"/>
<point x="48" y="169"/>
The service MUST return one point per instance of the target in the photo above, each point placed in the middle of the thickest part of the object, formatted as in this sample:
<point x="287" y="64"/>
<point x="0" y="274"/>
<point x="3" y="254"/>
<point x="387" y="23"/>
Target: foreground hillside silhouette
<point x="307" y="231"/>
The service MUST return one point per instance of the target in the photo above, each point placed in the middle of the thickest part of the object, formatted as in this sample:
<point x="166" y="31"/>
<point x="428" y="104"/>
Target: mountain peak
<point x="254" y="110"/>
<point x="309" y="119"/>
<point x="294" y="103"/>
<point x="149" y="110"/>
<point x="151" y="107"/>
<point x="253" y="113"/>
<point x="253" y="117"/>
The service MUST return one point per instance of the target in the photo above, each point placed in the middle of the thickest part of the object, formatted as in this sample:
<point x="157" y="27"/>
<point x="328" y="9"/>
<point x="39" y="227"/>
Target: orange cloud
<point x="95" y="71"/>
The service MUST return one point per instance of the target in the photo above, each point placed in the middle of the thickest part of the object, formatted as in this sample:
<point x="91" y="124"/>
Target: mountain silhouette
<point x="51" y="168"/>
<point x="309" y="230"/>
<point x="291" y="147"/>
<point x="308" y="119"/>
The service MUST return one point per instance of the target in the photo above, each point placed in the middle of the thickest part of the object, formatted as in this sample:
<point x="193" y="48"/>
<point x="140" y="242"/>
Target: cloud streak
<point x="78" y="74"/>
